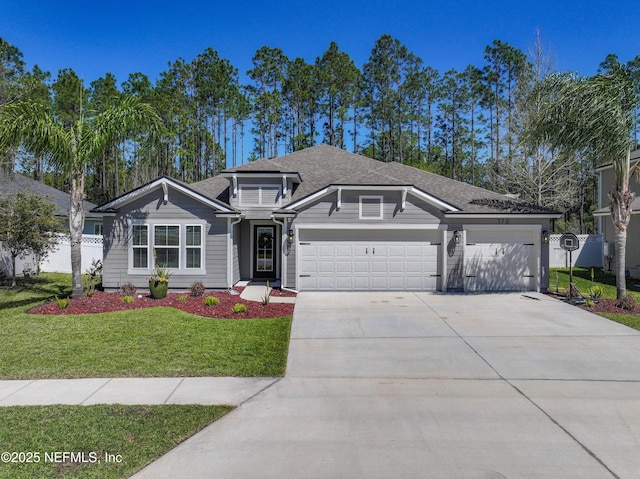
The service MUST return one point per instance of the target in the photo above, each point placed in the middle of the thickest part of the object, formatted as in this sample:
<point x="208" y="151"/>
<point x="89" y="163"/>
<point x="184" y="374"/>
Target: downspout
<point x="230" y="225"/>
<point x="283" y="257"/>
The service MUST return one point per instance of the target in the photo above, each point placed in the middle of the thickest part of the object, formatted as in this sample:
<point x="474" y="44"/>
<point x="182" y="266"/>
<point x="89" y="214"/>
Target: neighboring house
<point x="12" y="183"/>
<point x="326" y="219"/>
<point x="606" y="183"/>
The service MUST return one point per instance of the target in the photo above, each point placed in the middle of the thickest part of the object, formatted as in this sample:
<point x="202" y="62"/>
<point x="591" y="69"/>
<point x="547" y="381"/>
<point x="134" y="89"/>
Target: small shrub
<point x="127" y="299"/>
<point x="628" y="302"/>
<point x="239" y="308"/>
<point x="596" y="291"/>
<point x="128" y="290"/>
<point x="62" y="302"/>
<point x="211" y="301"/>
<point x="183" y="298"/>
<point x="197" y="289"/>
<point x="92" y="278"/>
<point x="590" y="303"/>
<point x="266" y="298"/>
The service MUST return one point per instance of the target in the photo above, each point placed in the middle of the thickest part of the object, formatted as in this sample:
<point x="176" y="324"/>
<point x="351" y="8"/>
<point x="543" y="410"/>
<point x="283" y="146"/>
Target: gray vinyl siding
<point x="245" y="250"/>
<point x="290" y="274"/>
<point x="455" y="261"/>
<point x="181" y="210"/>
<point x="235" y="252"/>
<point x="272" y="198"/>
<point x="324" y="210"/>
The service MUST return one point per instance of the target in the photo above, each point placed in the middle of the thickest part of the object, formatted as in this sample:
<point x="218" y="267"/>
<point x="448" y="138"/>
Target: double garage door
<point x="371" y="260"/>
<point x="382" y="260"/>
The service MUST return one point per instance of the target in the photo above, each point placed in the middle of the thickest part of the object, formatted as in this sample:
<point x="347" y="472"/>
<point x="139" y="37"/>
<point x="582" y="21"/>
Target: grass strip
<point x="103" y="441"/>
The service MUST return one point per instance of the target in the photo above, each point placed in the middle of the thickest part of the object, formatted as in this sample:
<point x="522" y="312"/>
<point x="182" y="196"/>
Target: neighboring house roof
<point x="634" y="158"/>
<point x="12" y="183"/>
<point x="324" y="165"/>
<point x="606" y="211"/>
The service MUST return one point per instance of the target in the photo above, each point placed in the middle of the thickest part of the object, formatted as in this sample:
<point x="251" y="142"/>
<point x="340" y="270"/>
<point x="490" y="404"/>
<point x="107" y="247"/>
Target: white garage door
<point x="501" y="260"/>
<point x="367" y="261"/>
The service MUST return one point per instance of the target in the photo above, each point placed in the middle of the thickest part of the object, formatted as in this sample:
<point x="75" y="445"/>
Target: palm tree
<point x="592" y="117"/>
<point x="72" y="147"/>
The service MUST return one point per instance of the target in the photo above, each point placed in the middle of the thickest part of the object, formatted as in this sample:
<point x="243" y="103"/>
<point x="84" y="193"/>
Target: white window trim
<point x="131" y="247"/>
<point x="182" y="270"/>
<point x="380" y="198"/>
<point x="178" y="247"/>
<point x="260" y="188"/>
<point x="200" y="247"/>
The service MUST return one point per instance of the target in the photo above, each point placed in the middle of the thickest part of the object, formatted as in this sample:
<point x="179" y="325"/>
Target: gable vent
<point x="371" y="207"/>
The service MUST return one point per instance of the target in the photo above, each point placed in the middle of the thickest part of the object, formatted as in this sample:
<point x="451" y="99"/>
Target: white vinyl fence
<point x="589" y="253"/>
<point x="58" y="261"/>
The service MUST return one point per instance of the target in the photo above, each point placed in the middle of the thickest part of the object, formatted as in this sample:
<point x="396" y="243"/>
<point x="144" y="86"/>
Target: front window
<point x="194" y="246"/>
<point x="140" y="246"/>
<point x="179" y="247"/>
<point x="166" y="246"/>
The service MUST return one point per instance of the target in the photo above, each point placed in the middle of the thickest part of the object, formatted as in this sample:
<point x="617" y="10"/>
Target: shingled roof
<point x="324" y="165"/>
<point x="12" y="183"/>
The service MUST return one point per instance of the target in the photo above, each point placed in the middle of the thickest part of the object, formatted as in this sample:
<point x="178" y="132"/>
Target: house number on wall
<point x="503" y="221"/>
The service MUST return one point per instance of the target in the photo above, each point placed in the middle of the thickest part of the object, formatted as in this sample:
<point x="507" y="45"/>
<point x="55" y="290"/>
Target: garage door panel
<point x="360" y="283"/>
<point x="378" y="266"/>
<point x="360" y="266"/>
<point x="397" y="266"/>
<point x="378" y="260"/>
<point x="326" y="282"/>
<point x="326" y="266"/>
<point x="343" y="266"/>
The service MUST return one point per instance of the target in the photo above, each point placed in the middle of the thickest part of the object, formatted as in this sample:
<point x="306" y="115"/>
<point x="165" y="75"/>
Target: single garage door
<point x="501" y="260"/>
<point x="356" y="260"/>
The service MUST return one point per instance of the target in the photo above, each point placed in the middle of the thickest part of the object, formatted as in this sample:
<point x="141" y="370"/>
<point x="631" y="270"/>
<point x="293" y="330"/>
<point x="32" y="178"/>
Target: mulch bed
<point x="603" y="305"/>
<point x="610" y="306"/>
<point x="102" y="302"/>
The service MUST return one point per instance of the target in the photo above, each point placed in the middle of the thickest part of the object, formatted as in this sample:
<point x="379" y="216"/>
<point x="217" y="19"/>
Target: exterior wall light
<point x="290" y="236"/>
<point x="545" y="237"/>
<point x="456" y="236"/>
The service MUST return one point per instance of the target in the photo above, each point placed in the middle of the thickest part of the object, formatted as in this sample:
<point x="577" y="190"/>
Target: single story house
<point x="326" y="219"/>
<point x="12" y="183"/>
<point x="606" y="183"/>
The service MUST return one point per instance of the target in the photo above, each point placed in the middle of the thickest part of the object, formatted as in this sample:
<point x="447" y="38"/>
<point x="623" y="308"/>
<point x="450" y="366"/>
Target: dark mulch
<point x="603" y="305"/>
<point x="102" y="302"/>
<point x="610" y="306"/>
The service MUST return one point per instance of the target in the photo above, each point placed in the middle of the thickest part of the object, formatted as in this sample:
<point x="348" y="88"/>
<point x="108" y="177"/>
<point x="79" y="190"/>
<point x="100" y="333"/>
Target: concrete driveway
<point x="383" y="385"/>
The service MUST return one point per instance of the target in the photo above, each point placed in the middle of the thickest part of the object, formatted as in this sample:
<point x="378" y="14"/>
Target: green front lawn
<point x="116" y="440"/>
<point x="582" y="279"/>
<point x="153" y="342"/>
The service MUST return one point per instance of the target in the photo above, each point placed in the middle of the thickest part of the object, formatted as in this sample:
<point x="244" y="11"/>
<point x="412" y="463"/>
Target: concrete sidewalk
<point x="207" y="391"/>
<point x="255" y="291"/>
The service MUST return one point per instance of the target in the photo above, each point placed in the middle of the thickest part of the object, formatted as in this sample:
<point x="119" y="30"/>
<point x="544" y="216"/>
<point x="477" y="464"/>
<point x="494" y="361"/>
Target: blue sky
<point x="125" y="37"/>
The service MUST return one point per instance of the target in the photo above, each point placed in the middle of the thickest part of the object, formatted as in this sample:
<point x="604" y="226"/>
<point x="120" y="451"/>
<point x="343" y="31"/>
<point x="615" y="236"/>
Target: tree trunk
<point x="76" y="225"/>
<point x="13" y="270"/>
<point x="621" y="215"/>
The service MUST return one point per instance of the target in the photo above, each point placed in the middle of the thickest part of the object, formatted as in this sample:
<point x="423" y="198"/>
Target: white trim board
<point x="163" y="183"/>
<point x="403" y="189"/>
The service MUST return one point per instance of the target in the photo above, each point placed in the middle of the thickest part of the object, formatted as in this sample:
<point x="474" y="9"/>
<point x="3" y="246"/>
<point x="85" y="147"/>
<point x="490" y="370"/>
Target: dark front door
<point x="264" y="252"/>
